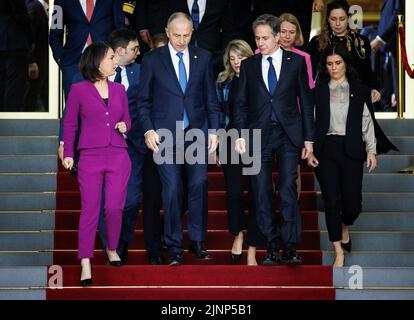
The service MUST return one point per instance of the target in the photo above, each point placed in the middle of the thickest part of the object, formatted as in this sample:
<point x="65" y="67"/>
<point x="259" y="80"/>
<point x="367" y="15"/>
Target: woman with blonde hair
<point x="227" y="88"/>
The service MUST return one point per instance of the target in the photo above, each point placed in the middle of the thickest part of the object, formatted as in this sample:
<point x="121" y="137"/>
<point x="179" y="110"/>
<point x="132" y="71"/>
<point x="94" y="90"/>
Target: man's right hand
<point x="152" y="140"/>
<point x="240" y="146"/>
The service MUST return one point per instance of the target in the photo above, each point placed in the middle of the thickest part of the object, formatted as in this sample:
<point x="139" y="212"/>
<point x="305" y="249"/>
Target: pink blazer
<point x="97" y="120"/>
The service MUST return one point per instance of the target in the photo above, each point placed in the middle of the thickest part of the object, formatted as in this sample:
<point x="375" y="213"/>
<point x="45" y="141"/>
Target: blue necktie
<point x="272" y="82"/>
<point x="118" y="77"/>
<point x="195" y="15"/>
<point x="182" y="78"/>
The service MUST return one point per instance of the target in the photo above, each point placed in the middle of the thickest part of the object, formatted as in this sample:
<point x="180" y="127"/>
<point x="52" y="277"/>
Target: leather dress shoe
<point x="347" y="246"/>
<point x="175" y="260"/>
<point x="155" y="261"/>
<point x="198" y="249"/>
<point x="291" y="258"/>
<point x="271" y="259"/>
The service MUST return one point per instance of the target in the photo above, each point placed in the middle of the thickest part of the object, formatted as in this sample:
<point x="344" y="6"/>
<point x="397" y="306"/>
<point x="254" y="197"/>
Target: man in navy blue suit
<point x="270" y="86"/>
<point x="177" y="93"/>
<point x="86" y="21"/>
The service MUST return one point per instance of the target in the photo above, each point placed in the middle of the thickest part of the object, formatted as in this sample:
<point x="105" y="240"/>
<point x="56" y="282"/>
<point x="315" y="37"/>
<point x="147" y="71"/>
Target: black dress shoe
<point x="86" y="282"/>
<point x="347" y="246"/>
<point x="155" y="261"/>
<point x="291" y="258"/>
<point x="235" y="258"/>
<point x="198" y="249"/>
<point x="271" y="259"/>
<point x="175" y="260"/>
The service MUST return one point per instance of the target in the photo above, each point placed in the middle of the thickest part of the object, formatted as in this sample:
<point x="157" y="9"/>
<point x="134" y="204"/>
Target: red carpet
<point x="213" y="279"/>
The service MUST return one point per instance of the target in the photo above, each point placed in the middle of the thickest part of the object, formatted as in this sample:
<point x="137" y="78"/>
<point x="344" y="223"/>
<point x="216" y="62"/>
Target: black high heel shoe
<point x="116" y="263"/>
<point x="86" y="282"/>
<point x="347" y="246"/>
<point x="235" y="258"/>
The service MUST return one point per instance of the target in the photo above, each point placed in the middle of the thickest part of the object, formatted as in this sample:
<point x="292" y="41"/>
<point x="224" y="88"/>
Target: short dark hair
<point x="267" y="20"/>
<point x="159" y="38"/>
<point x="91" y="59"/>
<point x="340" y="50"/>
<point x="120" y="38"/>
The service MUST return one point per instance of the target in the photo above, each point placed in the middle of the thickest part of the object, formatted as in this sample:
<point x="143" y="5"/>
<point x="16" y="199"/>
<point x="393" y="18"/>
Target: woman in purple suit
<point x="100" y="108"/>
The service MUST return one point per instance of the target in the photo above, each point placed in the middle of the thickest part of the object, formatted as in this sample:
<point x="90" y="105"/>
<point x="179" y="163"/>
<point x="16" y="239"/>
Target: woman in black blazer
<point x="346" y="135"/>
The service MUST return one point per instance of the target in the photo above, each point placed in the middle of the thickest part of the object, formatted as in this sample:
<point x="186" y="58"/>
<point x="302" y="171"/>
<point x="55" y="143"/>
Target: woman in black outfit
<point x="227" y="87"/>
<point x="346" y="136"/>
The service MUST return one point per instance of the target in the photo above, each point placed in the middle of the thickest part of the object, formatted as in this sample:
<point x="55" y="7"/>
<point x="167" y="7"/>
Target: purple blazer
<point x="97" y="120"/>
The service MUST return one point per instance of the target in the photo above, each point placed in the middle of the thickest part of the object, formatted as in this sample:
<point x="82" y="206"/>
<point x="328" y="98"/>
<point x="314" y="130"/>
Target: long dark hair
<point x="340" y="50"/>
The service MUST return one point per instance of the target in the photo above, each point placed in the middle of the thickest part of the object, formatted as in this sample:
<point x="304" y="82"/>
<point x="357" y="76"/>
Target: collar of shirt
<point x="201" y="6"/>
<point x="276" y="56"/>
<point x="83" y="4"/>
<point x="124" y="77"/>
<point x="45" y="5"/>
<point x="176" y="60"/>
<point x="338" y="85"/>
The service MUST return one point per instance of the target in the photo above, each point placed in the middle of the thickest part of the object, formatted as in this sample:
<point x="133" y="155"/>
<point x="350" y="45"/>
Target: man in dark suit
<point x="38" y="93"/>
<point x="269" y="88"/>
<point x="15" y="43"/>
<point x="86" y="21"/>
<point x="177" y="93"/>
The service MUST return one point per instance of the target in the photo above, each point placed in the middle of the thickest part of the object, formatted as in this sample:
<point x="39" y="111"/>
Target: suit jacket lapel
<point x="193" y="66"/>
<point x="95" y="9"/>
<point x="284" y="70"/>
<point x="258" y="58"/>
<point x="80" y="9"/>
<point x="166" y="59"/>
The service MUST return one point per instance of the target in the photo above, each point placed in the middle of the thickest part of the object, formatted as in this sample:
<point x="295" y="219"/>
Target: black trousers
<point x="287" y="155"/>
<point x="237" y="219"/>
<point x="340" y="178"/>
<point x="151" y="206"/>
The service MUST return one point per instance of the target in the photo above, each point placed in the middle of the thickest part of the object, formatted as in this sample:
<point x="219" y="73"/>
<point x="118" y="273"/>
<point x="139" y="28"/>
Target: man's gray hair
<point x="177" y="15"/>
<point x="267" y="20"/>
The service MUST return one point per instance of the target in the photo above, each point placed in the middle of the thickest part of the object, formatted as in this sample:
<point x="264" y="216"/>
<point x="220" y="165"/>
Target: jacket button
<point x="271" y="100"/>
<point x="107" y="124"/>
<point x="107" y="113"/>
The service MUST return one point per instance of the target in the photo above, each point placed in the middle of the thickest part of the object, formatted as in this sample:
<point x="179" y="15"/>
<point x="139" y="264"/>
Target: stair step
<point x="27" y="182"/>
<point x="392" y="163"/>
<point x="397" y="127"/>
<point x="29" y="127"/>
<point x="23" y="277"/>
<point x="26" y="201"/>
<point x="374" y="258"/>
<point x="404" y="143"/>
<point x="28" y="145"/>
<point x="219" y="257"/>
<point x="26" y="258"/>
<point x="28" y="163"/>
<point x="27" y="220"/>
<point x="69" y="182"/>
<point x="216" y="240"/>
<point x="381" y="201"/>
<point x="374" y="240"/>
<point x="217" y="220"/>
<point x="70" y="200"/>
<point x="376" y="277"/>
<point x="379" y="294"/>
<point x="246" y="293"/>
<point x="378" y="221"/>
<point x="26" y="294"/>
<point x="26" y="240"/>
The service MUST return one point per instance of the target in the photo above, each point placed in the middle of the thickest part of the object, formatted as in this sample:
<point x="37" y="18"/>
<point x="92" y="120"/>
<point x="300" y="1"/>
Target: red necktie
<point x="89" y="12"/>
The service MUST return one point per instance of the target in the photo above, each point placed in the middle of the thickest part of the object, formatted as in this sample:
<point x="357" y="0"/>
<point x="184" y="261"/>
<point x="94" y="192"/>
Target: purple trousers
<point x="110" y="166"/>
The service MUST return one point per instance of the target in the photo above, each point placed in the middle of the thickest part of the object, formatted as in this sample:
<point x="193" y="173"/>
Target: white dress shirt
<point x="176" y="60"/>
<point x="124" y="77"/>
<point x="201" y="6"/>
<point x="277" y="57"/>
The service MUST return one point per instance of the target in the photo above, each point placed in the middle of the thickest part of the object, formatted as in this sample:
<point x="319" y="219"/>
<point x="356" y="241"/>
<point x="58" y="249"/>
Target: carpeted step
<point x="26" y="240"/>
<point x="28" y="163"/>
<point x="217" y="220"/>
<point x="308" y="276"/>
<point x="27" y="220"/>
<point x="27" y="201"/>
<point x="375" y="294"/>
<point x="25" y="145"/>
<point x="392" y="163"/>
<point x="26" y="294"/>
<point x="27" y="258"/>
<point x="176" y="293"/>
<point x="404" y="143"/>
<point x="27" y="182"/>
<point x="70" y="200"/>
<point x="219" y="257"/>
<point x="69" y="182"/>
<point x="378" y="221"/>
<point x="29" y="127"/>
<point x="23" y="277"/>
<point x="373" y="258"/>
<point x="397" y="127"/>
<point x="216" y="240"/>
